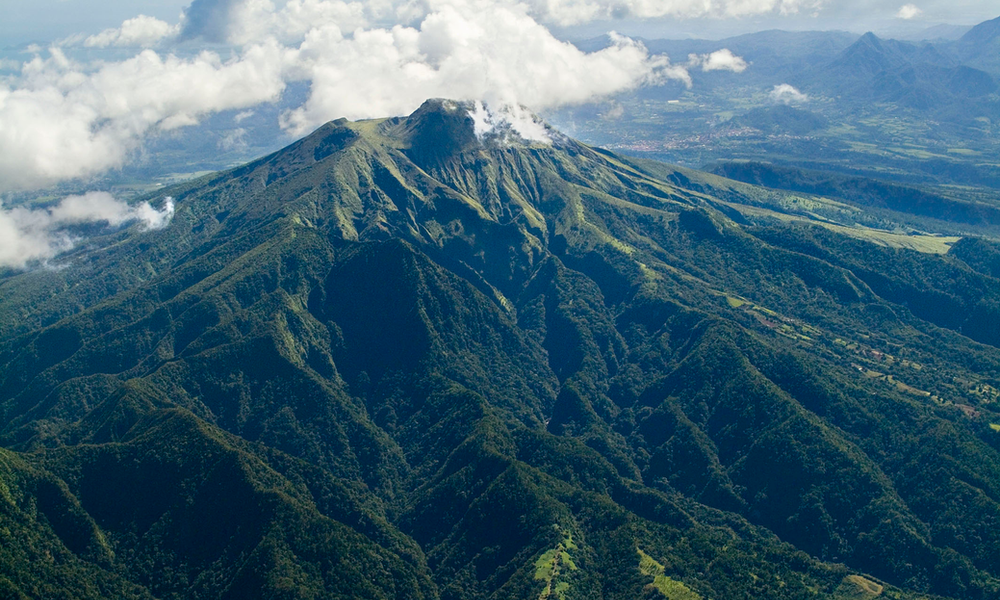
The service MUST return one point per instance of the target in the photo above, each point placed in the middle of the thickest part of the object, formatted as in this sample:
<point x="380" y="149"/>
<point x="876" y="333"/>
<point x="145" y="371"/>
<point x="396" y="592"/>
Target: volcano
<point x="419" y="358"/>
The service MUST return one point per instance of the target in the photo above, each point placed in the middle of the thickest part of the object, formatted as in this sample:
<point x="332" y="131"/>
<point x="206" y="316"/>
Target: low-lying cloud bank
<point x="63" y="120"/>
<point x="60" y="119"/>
<point x="37" y="235"/>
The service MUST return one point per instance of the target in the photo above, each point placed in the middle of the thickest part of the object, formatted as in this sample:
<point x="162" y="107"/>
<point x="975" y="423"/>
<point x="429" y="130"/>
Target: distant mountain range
<point x="933" y="75"/>
<point x="914" y="112"/>
<point x="924" y="76"/>
<point x="398" y="359"/>
<point x="796" y="53"/>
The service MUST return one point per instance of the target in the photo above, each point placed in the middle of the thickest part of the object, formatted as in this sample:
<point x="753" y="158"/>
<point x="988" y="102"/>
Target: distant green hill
<point x="400" y="360"/>
<point x="781" y="120"/>
<point x="861" y="191"/>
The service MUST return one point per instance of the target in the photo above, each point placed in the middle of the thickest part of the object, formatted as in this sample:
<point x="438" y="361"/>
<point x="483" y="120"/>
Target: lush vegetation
<point x="397" y="361"/>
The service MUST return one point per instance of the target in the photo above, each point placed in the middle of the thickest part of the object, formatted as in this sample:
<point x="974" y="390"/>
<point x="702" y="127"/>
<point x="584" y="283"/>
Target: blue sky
<point x="44" y="20"/>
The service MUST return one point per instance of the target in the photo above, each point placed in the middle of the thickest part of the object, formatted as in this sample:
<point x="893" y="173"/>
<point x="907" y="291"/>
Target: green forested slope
<point x="395" y="360"/>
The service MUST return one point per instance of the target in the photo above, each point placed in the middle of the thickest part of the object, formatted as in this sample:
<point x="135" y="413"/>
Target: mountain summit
<point x="423" y="357"/>
<point x="867" y="57"/>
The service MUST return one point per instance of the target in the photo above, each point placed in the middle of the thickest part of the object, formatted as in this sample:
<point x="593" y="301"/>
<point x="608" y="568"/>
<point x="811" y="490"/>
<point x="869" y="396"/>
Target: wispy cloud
<point x="572" y="12"/>
<point x="142" y="31"/>
<point x="37" y="235"/>
<point x="513" y="118"/>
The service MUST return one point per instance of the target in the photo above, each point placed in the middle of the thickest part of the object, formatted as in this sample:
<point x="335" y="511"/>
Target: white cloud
<point x="786" y="94"/>
<point x="32" y="235"/>
<point x="720" y="60"/>
<point x="63" y="121"/>
<point x="497" y="55"/>
<point x="142" y="31"/>
<point x="909" y="11"/>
